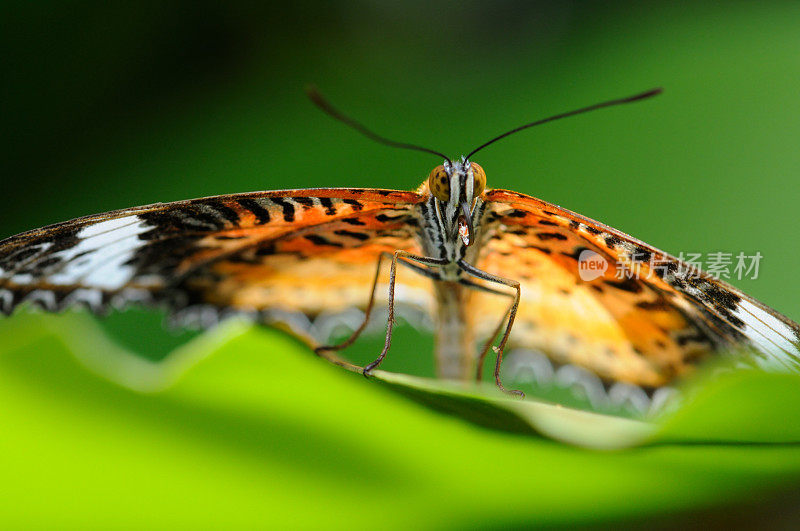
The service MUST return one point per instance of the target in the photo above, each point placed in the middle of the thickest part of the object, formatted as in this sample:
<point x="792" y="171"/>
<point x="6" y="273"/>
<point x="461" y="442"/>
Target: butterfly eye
<point x="439" y="183"/>
<point x="479" y="177"/>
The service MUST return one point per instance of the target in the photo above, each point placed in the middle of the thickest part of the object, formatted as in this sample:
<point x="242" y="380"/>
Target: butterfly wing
<point x="280" y="253"/>
<point x="645" y="327"/>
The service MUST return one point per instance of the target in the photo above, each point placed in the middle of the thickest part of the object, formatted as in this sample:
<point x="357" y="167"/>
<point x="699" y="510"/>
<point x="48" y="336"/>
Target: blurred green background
<point x="106" y="106"/>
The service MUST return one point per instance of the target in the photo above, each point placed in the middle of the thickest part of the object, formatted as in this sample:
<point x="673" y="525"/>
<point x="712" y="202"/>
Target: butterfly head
<point x="455" y="187"/>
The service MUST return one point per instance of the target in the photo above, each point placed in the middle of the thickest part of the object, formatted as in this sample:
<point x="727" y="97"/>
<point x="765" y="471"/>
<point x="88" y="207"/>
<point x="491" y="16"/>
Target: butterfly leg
<point x="405" y="255"/>
<point x="512" y="314"/>
<point x="493" y="337"/>
<point x="326" y="351"/>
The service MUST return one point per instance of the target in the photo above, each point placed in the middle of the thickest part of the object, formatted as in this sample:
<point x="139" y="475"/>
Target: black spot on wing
<point x="492" y="217"/>
<point x="261" y="214"/>
<point x="208" y="214"/>
<point x="735" y="321"/>
<point x="545" y="236"/>
<point x="667" y="270"/>
<point x="628" y="284"/>
<point x="576" y="252"/>
<point x="316" y="239"/>
<point x="265" y="249"/>
<point x="328" y="205"/>
<point x="65" y="239"/>
<point x="182" y="219"/>
<point x="658" y="304"/>
<point x="357" y="205"/>
<point x="162" y="256"/>
<point x="544" y="250"/>
<point x="685" y="339"/>
<point x="307" y="202"/>
<point x="351" y="234"/>
<point x="224" y="211"/>
<point x="385" y="218"/>
<point x="20" y="255"/>
<point x="47" y="262"/>
<point x="641" y="255"/>
<point x="287" y="208"/>
<point x="715" y="294"/>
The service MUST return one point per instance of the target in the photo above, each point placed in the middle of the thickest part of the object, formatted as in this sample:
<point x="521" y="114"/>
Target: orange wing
<point x="645" y="328"/>
<point x="279" y="254"/>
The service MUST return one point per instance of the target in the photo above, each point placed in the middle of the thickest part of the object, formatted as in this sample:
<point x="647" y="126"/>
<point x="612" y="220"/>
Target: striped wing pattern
<point x="646" y="329"/>
<point x="281" y="254"/>
<point x="305" y="251"/>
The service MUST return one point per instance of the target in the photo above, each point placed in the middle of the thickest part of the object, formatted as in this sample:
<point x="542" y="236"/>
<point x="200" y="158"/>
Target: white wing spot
<point x="6" y="300"/>
<point x="108" y="246"/>
<point x="92" y="298"/>
<point x="772" y="335"/>
<point x="46" y="298"/>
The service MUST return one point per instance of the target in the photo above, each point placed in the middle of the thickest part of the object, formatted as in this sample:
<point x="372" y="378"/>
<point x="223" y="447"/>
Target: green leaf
<point x="485" y="406"/>
<point x="243" y="427"/>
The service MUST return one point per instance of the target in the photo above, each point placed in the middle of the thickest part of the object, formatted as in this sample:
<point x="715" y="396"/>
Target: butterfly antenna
<point x="320" y="101"/>
<point x="620" y="101"/>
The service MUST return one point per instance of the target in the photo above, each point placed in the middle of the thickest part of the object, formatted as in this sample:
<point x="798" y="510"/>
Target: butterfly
<point x="493" y="268"/>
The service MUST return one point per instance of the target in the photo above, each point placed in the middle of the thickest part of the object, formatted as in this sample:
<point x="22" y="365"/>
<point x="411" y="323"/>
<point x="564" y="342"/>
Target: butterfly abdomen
<point x="455" y="336"/>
